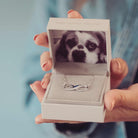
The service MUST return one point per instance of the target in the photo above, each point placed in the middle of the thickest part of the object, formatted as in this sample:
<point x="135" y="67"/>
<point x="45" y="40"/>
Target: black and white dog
<point x="82" y="46"/>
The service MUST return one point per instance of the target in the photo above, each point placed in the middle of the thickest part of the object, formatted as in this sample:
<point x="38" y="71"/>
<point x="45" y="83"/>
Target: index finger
<point x="41" y="39"/>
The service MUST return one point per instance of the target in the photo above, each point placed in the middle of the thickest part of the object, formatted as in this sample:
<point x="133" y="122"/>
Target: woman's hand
<point x="121" y="105"/>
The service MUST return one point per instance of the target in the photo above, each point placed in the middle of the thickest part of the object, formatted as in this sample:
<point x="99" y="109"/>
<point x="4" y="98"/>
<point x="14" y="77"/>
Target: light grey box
<point x="81" y="53"/>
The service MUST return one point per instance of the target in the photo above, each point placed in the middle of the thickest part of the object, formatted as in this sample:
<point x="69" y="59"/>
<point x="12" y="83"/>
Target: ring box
<point x="81" y="53"/>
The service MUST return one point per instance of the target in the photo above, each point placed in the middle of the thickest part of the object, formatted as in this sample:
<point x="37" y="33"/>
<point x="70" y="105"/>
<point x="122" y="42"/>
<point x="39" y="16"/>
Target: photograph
<point x="79" y="46"/>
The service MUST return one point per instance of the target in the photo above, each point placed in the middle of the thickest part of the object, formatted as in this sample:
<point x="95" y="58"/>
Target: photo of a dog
<point x="81" y="46"/>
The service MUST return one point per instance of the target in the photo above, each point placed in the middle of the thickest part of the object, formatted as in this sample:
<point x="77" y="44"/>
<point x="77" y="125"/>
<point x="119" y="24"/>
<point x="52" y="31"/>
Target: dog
<point x="81" y="46"/>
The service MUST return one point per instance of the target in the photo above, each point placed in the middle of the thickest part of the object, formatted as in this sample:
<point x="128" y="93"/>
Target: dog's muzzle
<point x="78" y="56"/>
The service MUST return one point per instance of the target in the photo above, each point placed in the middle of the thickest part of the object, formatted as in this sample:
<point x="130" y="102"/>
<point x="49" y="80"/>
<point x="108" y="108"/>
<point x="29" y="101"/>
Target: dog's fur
<point x="82" y="46"/>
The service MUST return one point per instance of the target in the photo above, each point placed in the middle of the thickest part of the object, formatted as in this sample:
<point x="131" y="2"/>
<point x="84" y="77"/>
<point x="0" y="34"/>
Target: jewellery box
<point x="81" y="52"/>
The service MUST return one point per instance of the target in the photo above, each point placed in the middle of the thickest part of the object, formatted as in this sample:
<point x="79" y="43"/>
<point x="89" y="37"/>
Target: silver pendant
<point x="78" y="87"/>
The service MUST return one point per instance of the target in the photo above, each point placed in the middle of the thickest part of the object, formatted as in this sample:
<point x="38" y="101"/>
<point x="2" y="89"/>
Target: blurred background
<point x="15" y="16"/>
<point x="17" y="121"/>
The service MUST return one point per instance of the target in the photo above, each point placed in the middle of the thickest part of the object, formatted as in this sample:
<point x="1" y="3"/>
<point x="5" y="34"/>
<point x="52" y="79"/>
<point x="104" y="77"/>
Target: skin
<point x="120" y="104"/>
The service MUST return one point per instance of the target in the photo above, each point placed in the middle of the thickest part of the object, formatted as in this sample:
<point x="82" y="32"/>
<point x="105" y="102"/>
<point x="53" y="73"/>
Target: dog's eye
<point x="71" y="42"/>
<point x="91" y="46"/>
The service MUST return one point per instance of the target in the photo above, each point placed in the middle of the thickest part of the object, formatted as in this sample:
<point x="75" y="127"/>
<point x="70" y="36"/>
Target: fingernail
<point x="31" y="86"/>
<point x="44" y="65"/>
<point x="70" y="11"/>
<point x="117" y="64"/>
<point x="112" y="105"/>
<point x="42" y="83"/>
<point x="35" y="37"/>
<point x="37" y="122"/>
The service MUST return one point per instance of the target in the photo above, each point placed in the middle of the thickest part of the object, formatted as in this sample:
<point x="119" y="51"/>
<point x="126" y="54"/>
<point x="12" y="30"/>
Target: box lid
<point x="56" y="29"/>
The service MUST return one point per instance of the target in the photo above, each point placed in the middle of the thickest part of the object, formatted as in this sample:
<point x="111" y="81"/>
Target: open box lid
<point x="56" y="29"/>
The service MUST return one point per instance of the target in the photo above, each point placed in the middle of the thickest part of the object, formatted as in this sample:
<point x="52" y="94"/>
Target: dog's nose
<point x="78" y="56"/>
<point x="80" y="46"/>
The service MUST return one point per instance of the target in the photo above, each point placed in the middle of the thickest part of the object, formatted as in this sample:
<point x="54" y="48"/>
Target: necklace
<point x="77" y="83"/>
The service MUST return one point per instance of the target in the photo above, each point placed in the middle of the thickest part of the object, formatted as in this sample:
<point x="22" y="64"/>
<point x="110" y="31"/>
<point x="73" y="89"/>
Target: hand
<point x="122" y="105"/>
<point x="119" y="70"/>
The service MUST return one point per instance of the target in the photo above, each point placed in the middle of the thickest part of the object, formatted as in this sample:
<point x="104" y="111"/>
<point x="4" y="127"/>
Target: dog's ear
<point x="101" y="37"/>
<point x="102" y="46"/>
<point x="61" y="52"/>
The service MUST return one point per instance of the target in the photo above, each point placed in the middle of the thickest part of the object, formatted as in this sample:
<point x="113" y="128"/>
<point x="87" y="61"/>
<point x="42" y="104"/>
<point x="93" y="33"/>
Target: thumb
<point x="119" y="70"/>
<point x="121" y="98"/>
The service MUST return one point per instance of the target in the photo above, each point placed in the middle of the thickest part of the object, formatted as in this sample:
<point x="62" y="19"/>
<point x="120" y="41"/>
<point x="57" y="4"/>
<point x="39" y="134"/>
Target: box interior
<point x="57" y="94"/>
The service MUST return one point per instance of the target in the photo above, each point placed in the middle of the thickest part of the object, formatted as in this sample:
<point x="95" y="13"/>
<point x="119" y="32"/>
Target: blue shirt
<point x="124" y="24"/>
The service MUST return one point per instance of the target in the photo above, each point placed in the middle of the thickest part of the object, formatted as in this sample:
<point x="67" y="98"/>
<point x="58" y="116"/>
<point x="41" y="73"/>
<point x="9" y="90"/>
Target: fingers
<point x="39" y="120"/>
<point x="119" y="70"/>
<point x="38" y="90"/>
<point x="121" y="114"/>
<point x="45" y="61"/>
<point x="45" y="80"/>
<point x="112" y="97"/>
<point x="39" y="87"/>
<point x="122" y="98"/>
<point x="74" y="14"/>
<point x="41" y="39"/>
